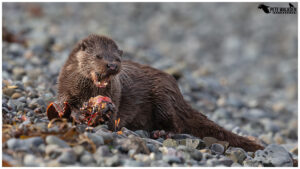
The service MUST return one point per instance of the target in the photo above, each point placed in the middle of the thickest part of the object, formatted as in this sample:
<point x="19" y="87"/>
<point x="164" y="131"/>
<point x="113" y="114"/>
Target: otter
<point x="145" y="98"/>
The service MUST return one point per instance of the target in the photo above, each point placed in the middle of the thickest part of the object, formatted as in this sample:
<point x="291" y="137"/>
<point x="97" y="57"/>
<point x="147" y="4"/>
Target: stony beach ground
<point x="233" y="63"/>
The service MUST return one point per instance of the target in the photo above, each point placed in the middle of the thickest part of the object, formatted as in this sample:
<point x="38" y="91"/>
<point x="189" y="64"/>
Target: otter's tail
<point x="199" y="125"/>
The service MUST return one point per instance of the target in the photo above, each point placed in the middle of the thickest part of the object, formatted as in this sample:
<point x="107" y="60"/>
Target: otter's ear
<point x="120" y="52"/>
<point x="83" y="46"/>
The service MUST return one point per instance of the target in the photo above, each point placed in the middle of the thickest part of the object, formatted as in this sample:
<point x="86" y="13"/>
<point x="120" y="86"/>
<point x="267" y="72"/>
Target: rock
<point x="30" y="144"/>
<point x="113" y="161"/>
<point x="78" y="149"/>
<point x="237" y="155"/>
<point x="87" y="158"/>
<point x="142" y="133"/>
<point x="196" y="155"/>
<point x="133" y="163"/>
<point x="8" y="91"/>
<point x="19" y="72"/>
<point x="107" y="136"/>
<point x="294" y="151"/>
<point x="32" y="161"/>
<point x="249" y="162"/>
<point x="209" y="141"/>
<point x="159" y="163"/>
<point x="172" y="159"/>
<point x="67" y="157"/>
<point x="16" y="95"/>
<point x="170" y="143"/>
<point x="193" y="143"/>
<point x="217" y="148"/>
<point x="274" y="155"/>
<point x="279" y="139"/>
<point x="128" y="132"/>
<point x="136" y="144"/>
<point x="225" y="161"/>
<point x="57" y="141"/>
<point x="97" y="139"/>
<point x="142" y="157"/>
<point x="53" y="151"/>
<point x="102" y="151"/>
<point x="152" y="148"/>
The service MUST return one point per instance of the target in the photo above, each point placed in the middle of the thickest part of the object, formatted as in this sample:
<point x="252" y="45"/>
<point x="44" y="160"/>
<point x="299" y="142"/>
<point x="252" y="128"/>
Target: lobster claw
<point x="54" y="110"/>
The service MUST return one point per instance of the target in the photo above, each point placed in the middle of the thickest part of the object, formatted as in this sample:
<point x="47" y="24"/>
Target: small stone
<point x="197" y="155"/>
<point x="87" y="158"/>
<point x="279" y="139"/>
<point x="53" y="151"/>
<point x="159" y="163"/>
<point x="113" y="161"/>
<point x="237" y="155"/>
<point x="295" y="150"/>
<point x="19" y="72"/>
<point x="193" y="143"/>
<point x="107" y="136"/>
<point x="32" y="161"/>
<point x="78" y="149"/>
<point x="172" y="159"/>
<point x="67" y="157"/>
<point x="209" y="141"/>
<point x="16" y="95"/>
<point x="133" y="163"/>
<point x="274" y="155"/>
<point x="225" y="161"/>
<point x="170" y="143"/>
<point x="97" y="139"/>
<point x="57" y="141"/>
<point x="102" y="151"/>
<point x="8" y="91"/>
<point x="217" y="148"/>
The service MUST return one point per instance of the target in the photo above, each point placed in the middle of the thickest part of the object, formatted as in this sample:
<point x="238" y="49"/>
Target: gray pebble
<point x="217" y="148"/>
<point x="274" y="155"/>
<point x="67" y="157"/>
<point x="97" y="139"/>
<point x="57" y="141"/>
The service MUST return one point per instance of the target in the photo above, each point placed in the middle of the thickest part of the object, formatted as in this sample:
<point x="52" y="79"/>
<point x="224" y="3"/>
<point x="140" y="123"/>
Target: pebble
<point x="170" y="143"/>
<point x="197" y="155"/>
<point x="87" y="158"/>
<point x="217" y="148"/>
<point x="237" y="155"/>
<point x="97" y="139"/>
<point x="172" y="159"/>
<point x="8" y="91"/>
<point x="102" y="151"/>
<point x="113" y="161"/>
<point x="107" y="136"/>
<point x="67" y="157"/>
<point x="24" y="145"/>
<point x="16" y="95"/>
<point x="274" y="155"/>
<point x="57" y="141"/>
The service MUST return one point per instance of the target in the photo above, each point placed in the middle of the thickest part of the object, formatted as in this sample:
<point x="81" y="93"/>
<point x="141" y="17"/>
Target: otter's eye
<point x="99" y="57"/>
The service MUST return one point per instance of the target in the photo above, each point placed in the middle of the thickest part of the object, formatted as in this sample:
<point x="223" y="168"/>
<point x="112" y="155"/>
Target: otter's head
<point x="99" y="59"/>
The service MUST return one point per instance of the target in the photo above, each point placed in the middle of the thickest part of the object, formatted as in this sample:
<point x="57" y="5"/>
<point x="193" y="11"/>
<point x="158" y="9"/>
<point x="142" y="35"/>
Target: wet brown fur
<point x="146" y="98"/>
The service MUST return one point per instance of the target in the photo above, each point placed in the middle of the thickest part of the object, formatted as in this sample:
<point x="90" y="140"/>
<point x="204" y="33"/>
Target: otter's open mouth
<point x="100" y="81"/>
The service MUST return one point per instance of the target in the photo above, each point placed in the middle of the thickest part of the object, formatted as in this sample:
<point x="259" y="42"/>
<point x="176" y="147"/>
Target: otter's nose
<point x="112" y="66"/>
